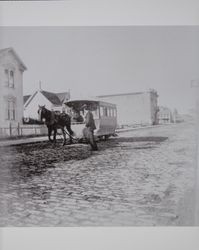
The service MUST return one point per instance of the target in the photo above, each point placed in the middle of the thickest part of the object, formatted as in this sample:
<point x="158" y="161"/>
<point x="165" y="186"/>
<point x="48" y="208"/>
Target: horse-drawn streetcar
<point x="84" y="119"/>
<point x="104" y="114"/>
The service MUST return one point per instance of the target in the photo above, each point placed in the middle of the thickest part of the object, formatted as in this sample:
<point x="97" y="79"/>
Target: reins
<point x="70" y="135"/>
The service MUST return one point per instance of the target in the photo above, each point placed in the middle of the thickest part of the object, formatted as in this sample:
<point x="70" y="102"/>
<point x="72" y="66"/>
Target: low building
<point x="177" y="117"/>
<point x="11" y="88"/>
<point x="52" y="101"/>
<point x="164" y="115"/>
<point x="139" y="108"/>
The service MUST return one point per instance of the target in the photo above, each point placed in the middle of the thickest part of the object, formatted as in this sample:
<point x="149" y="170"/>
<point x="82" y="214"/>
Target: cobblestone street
<point x="140" y="178"/>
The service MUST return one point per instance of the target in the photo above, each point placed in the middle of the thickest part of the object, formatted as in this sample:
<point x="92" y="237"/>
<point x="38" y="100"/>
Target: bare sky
<point x="108" y="60"/>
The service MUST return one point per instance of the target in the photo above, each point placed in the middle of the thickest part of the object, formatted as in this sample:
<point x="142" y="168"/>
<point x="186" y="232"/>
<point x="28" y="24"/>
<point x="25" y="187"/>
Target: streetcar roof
<point x="80" y="102"/>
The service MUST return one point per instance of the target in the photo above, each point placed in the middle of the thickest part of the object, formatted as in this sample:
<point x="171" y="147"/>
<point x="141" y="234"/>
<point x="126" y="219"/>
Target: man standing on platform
<point x="88" y="131"/>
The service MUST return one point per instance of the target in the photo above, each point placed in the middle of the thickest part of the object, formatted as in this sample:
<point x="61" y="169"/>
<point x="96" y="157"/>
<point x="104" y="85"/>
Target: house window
<point x="10" y="110"/>
<point x="9" y="78"/>
<point x="6" y="77"/>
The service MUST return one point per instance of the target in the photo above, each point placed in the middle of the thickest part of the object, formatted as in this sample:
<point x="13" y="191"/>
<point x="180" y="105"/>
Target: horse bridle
<point x="42" y="111"/>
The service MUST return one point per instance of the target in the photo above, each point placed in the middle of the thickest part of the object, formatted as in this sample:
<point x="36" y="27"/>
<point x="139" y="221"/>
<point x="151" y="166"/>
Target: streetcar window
<point x="105" y="111"/>
<point x="101" y="111"/>
<point x="114" y="112"/>
<point x="108" y="112"/>
<point x="111" y="112"/>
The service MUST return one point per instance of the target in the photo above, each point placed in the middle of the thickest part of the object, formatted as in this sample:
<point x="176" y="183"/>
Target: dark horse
<point x="55" y="121"/>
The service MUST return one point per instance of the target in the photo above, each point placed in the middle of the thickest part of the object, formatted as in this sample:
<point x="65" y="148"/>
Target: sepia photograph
<point x="99" y="126"/>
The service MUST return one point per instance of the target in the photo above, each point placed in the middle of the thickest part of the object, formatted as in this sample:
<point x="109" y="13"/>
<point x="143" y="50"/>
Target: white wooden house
<point x="11" y="88"/>
<point x="52" y="101"/>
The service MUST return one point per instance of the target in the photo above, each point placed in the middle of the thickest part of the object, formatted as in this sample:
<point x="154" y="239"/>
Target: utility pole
<point x="195" y="85"/>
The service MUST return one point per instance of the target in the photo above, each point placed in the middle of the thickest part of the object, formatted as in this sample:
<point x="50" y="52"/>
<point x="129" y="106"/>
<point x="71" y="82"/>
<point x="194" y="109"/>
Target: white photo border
<point x="99" y="13"/>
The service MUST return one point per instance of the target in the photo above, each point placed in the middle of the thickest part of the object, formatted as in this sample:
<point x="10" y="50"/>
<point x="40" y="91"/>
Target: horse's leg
<point x="49" y="133"/>
<point x="64" y="135"/>
<point x="54" y="135"/>
<point x="68" y="127"/>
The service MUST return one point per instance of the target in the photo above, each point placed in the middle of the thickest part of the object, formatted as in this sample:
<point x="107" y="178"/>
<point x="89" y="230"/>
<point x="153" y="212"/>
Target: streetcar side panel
<point x="107" y="122"/>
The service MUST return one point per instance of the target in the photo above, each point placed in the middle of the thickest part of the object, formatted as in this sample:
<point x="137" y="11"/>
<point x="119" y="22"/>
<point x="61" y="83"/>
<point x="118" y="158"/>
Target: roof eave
<point x="30" y="99"/>
<point x="22" y="65"/>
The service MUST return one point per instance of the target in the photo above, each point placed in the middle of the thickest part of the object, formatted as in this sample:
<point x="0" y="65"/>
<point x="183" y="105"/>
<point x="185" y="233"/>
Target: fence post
<point x="10" y="128"/>
<point x="18" y="129"/>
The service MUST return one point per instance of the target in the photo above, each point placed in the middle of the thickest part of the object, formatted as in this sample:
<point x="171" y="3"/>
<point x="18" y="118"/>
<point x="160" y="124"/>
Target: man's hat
<point x="85" y="106"/>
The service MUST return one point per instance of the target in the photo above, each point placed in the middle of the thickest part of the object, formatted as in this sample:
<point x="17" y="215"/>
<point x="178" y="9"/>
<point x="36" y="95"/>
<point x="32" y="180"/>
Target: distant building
<point x="11" y="88"/>
<point x="139" y="108"/>
<point x="164" y="115"/>
<point x="52" y="101"/>
<point x="177" y="117"/>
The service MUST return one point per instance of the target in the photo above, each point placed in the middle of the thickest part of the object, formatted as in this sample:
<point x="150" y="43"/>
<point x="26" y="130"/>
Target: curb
<point x="42" y="139"/>
<point x="139" y="128"/>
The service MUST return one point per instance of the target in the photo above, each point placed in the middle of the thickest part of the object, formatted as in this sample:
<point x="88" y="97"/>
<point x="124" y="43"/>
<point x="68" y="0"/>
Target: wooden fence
<point x="22" y="130"/>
